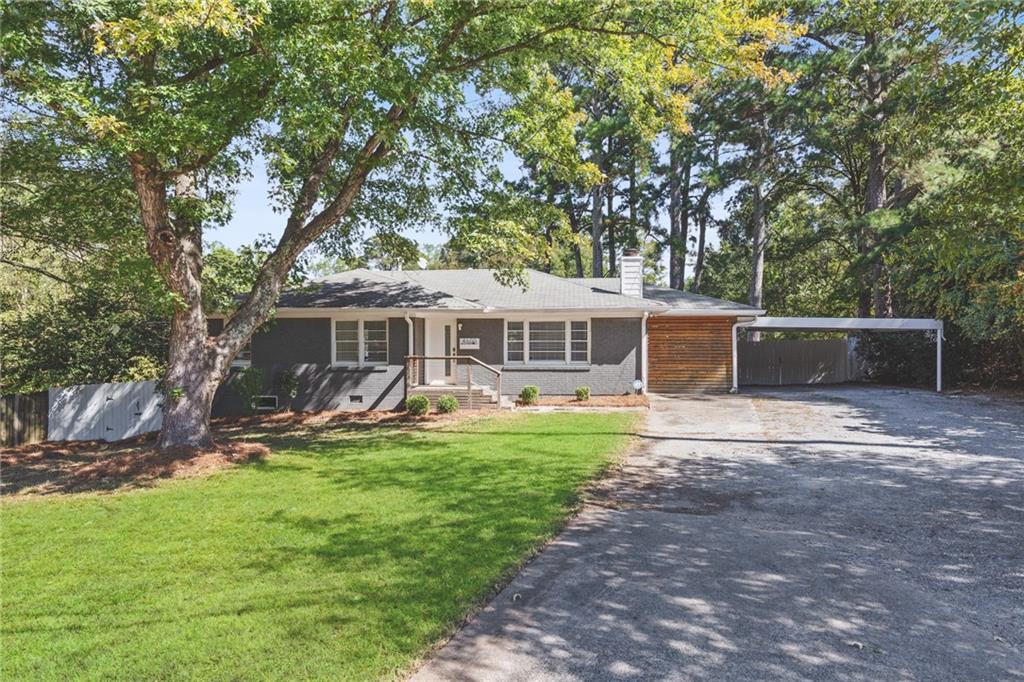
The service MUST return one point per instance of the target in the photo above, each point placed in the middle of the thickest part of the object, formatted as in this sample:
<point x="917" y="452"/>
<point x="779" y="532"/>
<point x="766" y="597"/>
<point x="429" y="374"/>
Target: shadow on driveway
<point x="852" y="533"/>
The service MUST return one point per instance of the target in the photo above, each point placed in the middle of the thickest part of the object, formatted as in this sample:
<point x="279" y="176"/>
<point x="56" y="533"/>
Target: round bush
<point x="583" y="393"/>
<point x="417" y="404"/>
<point x="529" y="395"/>
<point x="447" y="403"/>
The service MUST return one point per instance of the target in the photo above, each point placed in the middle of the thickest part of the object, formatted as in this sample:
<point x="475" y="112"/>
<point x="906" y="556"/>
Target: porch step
<point x="483" y="397"/>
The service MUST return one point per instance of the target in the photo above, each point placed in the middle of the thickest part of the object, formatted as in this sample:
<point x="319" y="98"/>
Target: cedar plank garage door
<point x="689" y="354"/>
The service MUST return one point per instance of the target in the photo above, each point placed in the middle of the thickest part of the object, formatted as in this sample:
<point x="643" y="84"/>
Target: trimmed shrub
<point x="286" y="384"/>
<point x="529" y="395"/>
<point x="583" y="393"/>
<point x="249" y="384"/>
<point x="447" y="403"/>
<point x="417" y="404"/>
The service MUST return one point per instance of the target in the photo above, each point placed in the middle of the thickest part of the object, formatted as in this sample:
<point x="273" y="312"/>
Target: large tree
<point x="366" y="111"/>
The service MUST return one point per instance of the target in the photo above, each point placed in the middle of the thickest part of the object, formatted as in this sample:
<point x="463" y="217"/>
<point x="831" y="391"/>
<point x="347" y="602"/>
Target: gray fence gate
<point x="800" y="361"/>
<point x="104" y="411"/>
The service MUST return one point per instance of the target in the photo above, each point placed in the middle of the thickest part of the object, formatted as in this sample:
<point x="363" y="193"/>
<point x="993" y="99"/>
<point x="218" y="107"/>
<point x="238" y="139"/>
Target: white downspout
<point x="643" y="352"/>
<point x="735" y="356"/>
<point x="408" y="321"/>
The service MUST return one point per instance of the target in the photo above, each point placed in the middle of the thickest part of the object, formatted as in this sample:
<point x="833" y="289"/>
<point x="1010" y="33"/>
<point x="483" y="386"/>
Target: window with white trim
<point x="360" y="342"/>
<point x="514" y="342"/>
<point x="375" y="342"/>
<point x="547" y="342"/>
<point x="243" y="358"/>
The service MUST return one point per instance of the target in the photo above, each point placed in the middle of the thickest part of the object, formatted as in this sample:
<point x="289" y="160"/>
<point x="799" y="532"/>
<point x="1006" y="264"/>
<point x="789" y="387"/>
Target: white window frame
<point x="527" y="362"/>
<point x="361" y="353"/>
<point x="242" y="362"/>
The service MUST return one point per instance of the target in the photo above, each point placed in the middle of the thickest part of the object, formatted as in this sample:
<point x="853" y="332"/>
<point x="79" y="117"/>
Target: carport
<point x="840" y="324"/>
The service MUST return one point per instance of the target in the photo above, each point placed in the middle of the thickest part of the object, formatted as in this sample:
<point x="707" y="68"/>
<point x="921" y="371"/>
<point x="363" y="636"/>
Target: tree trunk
<point x="875" y="199"/>
<point x="574" y="225"/>
<point x="698" y="267"/>
<point x="596" y="232"/>
<point x="760" y="240"/>
<point x="679" y="214"/>
<point x="610" y="229"/>
<point x="191" y="380"/>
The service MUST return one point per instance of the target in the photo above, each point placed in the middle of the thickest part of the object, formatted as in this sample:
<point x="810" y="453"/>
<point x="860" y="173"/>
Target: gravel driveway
<point x="844" y="534"/>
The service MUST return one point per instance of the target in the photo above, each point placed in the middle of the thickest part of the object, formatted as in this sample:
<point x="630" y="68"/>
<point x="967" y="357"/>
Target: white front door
<point x="440" y="339"/>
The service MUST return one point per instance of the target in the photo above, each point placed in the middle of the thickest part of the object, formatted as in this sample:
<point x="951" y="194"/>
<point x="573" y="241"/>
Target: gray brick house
<point x="365" y="339"/>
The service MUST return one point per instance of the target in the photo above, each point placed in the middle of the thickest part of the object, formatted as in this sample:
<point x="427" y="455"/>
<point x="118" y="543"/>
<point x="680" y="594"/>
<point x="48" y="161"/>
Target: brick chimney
<point x="631" y="273"/>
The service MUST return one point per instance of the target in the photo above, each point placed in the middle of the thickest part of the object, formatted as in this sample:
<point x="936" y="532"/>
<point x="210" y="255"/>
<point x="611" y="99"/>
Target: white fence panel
<point x="104" y="411"/>
<point x="798" y="361"/>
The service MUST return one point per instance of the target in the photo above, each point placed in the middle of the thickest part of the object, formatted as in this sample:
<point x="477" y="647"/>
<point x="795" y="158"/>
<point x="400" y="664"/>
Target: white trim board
<point x="845" y="323"/>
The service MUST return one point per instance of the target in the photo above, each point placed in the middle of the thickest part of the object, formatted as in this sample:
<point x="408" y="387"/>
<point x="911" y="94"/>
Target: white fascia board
<point x="845" y="323"/>
<point x="458" y="312"/>
<point x="710" y="312"/>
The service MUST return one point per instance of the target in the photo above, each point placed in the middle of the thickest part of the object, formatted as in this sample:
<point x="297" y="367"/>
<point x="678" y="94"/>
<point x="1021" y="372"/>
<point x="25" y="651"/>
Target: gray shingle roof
<point x="477" y="290"/>
<point x="673" y="298"/>
<point x="684" y="300"/>
<point x="363" y="288"/>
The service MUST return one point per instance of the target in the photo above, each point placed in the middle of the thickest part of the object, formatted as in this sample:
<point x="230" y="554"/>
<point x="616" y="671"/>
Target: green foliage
<point x="78" y="336"/>
<point x="417" y="404"/>
<point x="447" y="404"/>
<point x="582" y="393"/>
<point x="248" y="383"/>
<point x="529" y="395"/>
<point x="286" y="383"/>
<point x="140" y="368"/>
<point x="227" y="273"/>
<point x="268" y="543"/>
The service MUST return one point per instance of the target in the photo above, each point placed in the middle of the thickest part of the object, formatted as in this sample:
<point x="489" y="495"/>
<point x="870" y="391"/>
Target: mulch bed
<point x="595" y="401"/>
<point x="80" y="466"/>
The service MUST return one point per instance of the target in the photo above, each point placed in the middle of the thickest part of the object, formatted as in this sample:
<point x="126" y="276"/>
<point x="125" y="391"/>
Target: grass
<point x="346" y="555"/>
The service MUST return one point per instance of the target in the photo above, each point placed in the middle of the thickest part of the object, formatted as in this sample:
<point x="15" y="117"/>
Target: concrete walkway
<point x="846" y="534"/>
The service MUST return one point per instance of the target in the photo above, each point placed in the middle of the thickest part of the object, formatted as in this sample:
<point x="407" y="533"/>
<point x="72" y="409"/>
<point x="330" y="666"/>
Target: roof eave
<point x="713" y="312"/>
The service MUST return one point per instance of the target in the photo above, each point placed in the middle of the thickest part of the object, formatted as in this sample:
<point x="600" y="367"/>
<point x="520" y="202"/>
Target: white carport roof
<point x="818" y="324"/>
<point x="880" y="324"/>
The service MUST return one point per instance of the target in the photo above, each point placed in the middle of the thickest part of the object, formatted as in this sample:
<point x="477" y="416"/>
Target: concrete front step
<point x="483" y="398"/>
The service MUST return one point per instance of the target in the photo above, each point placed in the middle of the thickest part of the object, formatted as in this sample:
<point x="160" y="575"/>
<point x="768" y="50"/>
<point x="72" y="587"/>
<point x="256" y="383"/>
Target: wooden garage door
<point x="689" y="354"/>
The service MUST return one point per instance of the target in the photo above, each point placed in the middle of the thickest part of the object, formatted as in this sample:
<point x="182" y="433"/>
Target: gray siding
<point x="303" y="345"/>
<point x="615" y="360"/>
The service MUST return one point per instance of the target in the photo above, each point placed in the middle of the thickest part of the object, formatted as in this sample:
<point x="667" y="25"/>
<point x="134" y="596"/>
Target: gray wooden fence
<point x="799" y="361"/>
<point x="104" y="411"/>
<point x="23" y="418"/>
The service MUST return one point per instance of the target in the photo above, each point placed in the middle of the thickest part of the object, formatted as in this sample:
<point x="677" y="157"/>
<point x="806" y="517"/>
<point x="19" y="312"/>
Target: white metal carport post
<point x="938" y="358"/>
<point x="735" y="356"/>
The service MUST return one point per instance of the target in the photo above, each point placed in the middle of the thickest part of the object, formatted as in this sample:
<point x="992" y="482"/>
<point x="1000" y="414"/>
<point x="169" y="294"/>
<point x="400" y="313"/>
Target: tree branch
<point x="38" y="271"/>
<point x="214" y="63"/>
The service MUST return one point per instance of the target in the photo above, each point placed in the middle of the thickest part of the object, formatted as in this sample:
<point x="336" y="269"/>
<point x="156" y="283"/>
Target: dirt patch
<point x="81" y="466"/>
<point x="595" y="401"/>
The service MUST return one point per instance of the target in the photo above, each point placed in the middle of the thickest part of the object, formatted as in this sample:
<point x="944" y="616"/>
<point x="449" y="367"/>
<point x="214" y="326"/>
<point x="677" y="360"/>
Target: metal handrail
<point x="412" y="372"/>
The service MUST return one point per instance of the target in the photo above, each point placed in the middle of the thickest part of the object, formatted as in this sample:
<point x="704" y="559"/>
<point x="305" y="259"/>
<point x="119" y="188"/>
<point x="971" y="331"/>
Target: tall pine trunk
<point x="613" y="269"/>
<point x="874" y="199"/>
<point x="702" y="230"/>
<point x="596" y="232"/>
<point x="679" y="213"/>
<point x="759" y="225"/>
<point x="596" y="224"/>
<point x="875" y="195"/>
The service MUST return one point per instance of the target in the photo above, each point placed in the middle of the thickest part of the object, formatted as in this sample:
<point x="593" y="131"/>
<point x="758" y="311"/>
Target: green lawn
<point x="346" y="554"/>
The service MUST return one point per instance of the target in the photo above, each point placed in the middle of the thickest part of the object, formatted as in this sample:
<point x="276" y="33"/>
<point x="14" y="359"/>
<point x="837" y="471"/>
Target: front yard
<point x="344" y="555"/>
